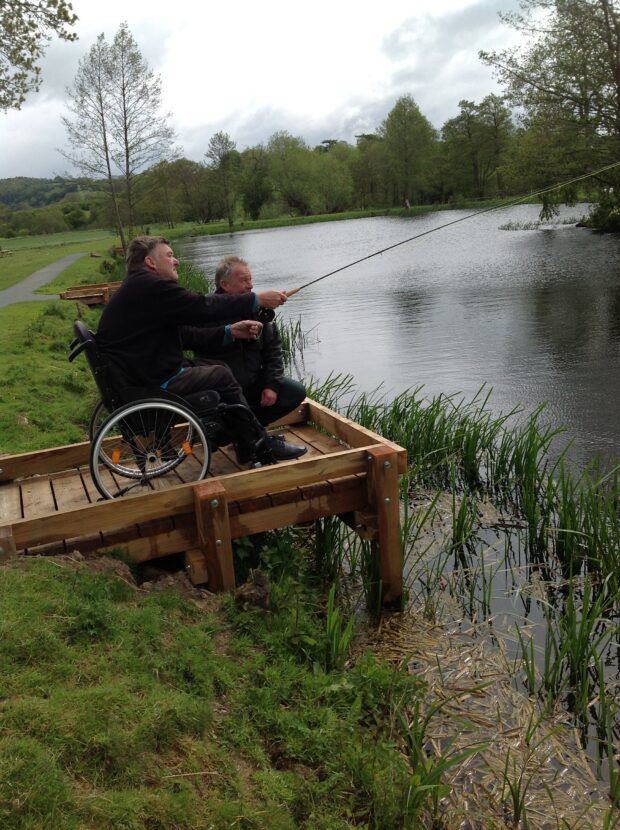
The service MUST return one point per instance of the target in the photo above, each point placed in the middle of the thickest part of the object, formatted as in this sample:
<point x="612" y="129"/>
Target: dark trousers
<point x="201" y="378"/>
<point x="221" y="379"/>
<point x="290" y="394"/>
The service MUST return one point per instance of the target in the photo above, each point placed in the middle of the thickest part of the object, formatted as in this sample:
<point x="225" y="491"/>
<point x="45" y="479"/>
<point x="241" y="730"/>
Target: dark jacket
<point x="254" y="363"/>
<point x="139" y="328"/>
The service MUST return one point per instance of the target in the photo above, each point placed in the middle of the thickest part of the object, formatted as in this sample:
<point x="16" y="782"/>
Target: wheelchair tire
<point x="96" y="420"/>
<point x="148" y="445"/>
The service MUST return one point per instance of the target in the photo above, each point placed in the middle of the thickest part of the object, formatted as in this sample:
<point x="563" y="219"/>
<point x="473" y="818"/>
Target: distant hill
<point x="22" y="192"/>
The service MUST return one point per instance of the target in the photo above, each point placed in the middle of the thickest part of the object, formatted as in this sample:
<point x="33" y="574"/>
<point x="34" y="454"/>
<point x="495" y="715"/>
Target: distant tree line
<point x="558" y="118"/>
<point x="405" y="162"/>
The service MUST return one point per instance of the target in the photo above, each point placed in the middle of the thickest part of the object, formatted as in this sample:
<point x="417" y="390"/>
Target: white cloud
<point x="332" y="68"/>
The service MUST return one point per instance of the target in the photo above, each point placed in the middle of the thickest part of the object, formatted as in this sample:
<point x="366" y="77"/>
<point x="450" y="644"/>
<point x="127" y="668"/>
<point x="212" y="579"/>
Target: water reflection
<point x="533" y="314"/>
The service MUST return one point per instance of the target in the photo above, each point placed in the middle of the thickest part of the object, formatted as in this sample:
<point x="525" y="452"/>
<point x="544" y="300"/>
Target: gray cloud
<point x="434" y="60"/>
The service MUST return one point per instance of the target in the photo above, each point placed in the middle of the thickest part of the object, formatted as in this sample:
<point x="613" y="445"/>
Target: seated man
<point x="256" y="363"/>
<point x="139" y="333"/>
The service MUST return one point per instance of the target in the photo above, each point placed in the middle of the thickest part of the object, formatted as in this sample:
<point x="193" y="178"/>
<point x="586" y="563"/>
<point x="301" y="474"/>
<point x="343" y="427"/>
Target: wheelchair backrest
<point x="116" y="388"/>
<point x="101" y="370"/>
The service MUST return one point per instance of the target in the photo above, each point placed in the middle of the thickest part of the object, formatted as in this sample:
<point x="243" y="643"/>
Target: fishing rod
<point x="454" y="222"/>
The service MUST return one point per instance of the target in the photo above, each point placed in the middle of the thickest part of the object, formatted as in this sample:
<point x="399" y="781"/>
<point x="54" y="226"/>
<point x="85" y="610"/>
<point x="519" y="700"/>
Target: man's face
<point x="239" y="281"/>
<point x="163" y="262"/>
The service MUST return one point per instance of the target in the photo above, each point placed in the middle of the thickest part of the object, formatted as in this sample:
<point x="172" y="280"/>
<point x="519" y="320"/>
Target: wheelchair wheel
<point x="96" y="420"/>
<point x="148" y="445"/>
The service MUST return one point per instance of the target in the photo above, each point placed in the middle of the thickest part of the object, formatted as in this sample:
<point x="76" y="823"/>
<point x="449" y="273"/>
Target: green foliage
<point x="25" y="27"/>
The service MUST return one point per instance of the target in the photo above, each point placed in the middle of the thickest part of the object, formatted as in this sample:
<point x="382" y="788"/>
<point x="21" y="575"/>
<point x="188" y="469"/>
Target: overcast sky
<point x="325" y="69"/>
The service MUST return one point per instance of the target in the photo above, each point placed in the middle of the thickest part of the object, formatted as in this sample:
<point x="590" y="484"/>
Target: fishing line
<point x="454" y="222"/>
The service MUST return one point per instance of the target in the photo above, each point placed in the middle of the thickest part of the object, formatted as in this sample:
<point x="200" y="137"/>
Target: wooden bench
<point x="48" y="503"/>
<point x="94" y="294"/>
<point x="6" y="253"/>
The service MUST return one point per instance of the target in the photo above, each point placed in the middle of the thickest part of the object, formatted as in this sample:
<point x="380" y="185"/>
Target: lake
<point x="532" y="314"/>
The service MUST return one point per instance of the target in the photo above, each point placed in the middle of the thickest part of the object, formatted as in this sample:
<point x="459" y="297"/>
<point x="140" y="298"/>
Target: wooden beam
<point x="297" y="416"/>
<point x="304" y="510"/>
<point x="214" y="534"/>
<point x="351" y="432"/>
<point x="384" y="496"/>
<point x="40" y="462"/>
<point x="112" y="514"/>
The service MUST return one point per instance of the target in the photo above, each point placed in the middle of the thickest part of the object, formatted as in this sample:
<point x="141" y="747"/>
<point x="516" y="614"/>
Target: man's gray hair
<point x="225" y="266"/>
<point x="140" y="247"/>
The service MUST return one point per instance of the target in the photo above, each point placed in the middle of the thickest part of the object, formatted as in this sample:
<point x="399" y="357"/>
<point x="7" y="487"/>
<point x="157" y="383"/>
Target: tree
<point x="566" y="77"/>
<point x="90" y="132"/>
<point x="25" y="29"/>
<point x="334" y="181"/>
<point x="117" y="128"/>
<point x="293" y="171"/>
<point x="225" y="161"/>
<point x="254" y="185"/>
<point x="369" y="171"/>
<point x="410" y="142"/>
<point x="474" y="144"/>
<point x="140" y="132"/>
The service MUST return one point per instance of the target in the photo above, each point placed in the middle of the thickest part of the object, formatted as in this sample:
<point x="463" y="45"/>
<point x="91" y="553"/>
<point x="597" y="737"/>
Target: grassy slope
<point x="45" y="401"/>
<point x="123" y="710"/>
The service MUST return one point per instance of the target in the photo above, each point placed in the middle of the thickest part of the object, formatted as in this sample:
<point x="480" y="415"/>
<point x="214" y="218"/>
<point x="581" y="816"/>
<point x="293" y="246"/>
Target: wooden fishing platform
<point x="49" y="504"/>
<point x="93" y="294"/>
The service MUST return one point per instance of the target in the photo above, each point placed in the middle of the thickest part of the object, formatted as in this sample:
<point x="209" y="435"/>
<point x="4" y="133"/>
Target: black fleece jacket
<point x="139" y="328"/>
<point x="255" y="363"/>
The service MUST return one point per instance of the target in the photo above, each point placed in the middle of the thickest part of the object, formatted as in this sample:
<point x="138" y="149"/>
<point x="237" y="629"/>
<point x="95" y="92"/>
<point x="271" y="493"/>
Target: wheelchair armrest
<point x="77" y="348"/>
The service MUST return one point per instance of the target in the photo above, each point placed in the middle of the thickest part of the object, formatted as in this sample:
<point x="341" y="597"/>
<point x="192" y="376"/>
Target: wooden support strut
<point x="214" y="538"/>
<point x="384" y="497"/>
<point x="7" y="543"/>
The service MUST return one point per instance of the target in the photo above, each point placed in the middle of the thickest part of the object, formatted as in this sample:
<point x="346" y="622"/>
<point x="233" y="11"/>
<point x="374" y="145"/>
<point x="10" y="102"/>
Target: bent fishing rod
<point x="512" y="203"/>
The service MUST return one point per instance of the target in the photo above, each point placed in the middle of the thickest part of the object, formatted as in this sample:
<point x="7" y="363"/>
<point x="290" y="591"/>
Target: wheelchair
<point x="143" y="440"/>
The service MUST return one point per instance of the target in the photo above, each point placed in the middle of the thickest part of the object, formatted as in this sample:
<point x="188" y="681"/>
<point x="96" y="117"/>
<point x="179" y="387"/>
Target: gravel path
<point x="23" y="291"/>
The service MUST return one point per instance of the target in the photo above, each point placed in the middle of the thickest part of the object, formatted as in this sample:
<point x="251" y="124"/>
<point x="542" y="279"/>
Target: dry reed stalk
<point x="472" y="677"/>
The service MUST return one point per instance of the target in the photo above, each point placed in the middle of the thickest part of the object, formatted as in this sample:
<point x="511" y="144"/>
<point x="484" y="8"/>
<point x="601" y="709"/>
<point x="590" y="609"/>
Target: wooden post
<point x="384" y="498"/>
<point x="196" y="566"/>
<point x="7" y="543"/>
<point x="211" y="510"/>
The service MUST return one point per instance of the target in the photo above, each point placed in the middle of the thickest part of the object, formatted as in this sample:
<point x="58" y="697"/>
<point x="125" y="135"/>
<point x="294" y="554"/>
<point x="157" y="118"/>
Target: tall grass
<point x="565" y="522"/>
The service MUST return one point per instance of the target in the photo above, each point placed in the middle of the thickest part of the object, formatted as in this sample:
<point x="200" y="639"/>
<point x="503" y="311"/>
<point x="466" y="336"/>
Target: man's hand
<point x="268" y="397"/>
<point x="246" y="329"/>
<point x="271" y="299"/>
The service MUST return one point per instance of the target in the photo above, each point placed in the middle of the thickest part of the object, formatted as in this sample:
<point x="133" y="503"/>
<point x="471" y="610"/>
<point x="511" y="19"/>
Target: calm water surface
<point x="533" y="314"/>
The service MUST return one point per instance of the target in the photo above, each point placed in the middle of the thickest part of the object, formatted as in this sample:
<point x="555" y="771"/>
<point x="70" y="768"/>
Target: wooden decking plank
<point x="319" y="440"/>
<point x="69" y="491"/>
<point x="224" y="461"/>
<point x="297" y="437"/>
<point x="37" y="497"/>
<point x="10" y="503"/>
<point x="89" y="485"/>
<point x="351" y="432"/>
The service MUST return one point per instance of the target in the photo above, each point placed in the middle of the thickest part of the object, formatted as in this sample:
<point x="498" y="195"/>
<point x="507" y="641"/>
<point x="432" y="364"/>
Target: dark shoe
<point x="255" y="453"/>
<point x="245" y="452"/>
<point x="282" y="451"/>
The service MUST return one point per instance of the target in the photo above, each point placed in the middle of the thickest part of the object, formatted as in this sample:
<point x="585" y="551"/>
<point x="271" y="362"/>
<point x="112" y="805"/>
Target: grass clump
<point x="147" y="711"/>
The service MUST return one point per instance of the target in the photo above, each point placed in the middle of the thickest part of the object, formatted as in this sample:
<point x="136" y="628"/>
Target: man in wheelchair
<point x="139" y="336"/>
